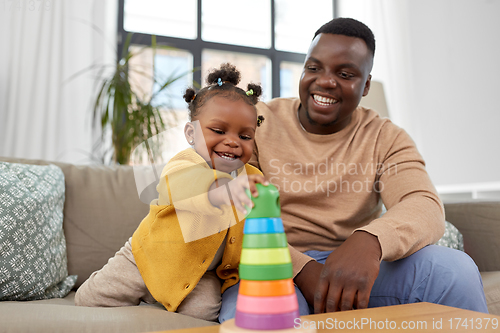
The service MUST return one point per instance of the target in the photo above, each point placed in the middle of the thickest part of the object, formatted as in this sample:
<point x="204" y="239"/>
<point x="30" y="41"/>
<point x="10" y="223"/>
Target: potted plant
<point x="131" y="116"/>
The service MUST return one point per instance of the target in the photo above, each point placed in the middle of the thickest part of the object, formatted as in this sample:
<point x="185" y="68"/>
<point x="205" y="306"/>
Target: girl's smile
<point x="226" y="132"/>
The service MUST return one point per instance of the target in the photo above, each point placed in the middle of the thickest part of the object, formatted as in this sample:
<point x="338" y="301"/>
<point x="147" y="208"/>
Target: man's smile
<point x="324" y="101"/>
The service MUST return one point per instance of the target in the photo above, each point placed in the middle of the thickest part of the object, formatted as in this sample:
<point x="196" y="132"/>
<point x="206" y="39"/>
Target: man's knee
<point x="453" y="278"/>
<point x="454" y="264"/>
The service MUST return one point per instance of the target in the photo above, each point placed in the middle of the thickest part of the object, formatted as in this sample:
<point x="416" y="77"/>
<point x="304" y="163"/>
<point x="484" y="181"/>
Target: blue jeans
<point x="434" y="274"/>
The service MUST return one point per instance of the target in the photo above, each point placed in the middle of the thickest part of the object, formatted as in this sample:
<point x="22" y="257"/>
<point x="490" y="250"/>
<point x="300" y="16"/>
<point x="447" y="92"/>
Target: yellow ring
<point x="274" y="256"/>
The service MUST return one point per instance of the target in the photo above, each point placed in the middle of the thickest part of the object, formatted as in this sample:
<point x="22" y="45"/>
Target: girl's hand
<point x="238" y="188"/>
<point x="218" y="192"/>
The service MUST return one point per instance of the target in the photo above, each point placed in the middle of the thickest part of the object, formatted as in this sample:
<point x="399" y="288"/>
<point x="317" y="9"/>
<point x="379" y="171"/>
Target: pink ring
<point x="267" y="304"/>
<point x="254" y="321"/>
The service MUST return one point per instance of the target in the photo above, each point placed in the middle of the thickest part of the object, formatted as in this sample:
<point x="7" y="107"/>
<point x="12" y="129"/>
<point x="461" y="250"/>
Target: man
<point x="335" y="164"/>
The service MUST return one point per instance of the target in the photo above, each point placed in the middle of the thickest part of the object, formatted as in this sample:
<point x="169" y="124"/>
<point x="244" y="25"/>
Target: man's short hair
<point x="349" y="27"/>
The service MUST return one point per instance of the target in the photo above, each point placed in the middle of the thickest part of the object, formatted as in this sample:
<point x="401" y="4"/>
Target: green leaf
<point x="126" y="45"/>
<point x="127" y="110"/>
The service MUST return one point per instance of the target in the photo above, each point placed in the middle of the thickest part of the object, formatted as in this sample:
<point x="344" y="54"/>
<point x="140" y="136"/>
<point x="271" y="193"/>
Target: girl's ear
<point x="189" y="133"/>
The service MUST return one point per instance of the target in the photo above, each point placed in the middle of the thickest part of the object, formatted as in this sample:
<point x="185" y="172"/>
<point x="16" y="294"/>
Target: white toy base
<point x="230" y="327"/>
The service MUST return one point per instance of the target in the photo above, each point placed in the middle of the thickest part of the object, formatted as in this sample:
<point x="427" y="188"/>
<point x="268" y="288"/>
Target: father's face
<point x="336" y="75"/>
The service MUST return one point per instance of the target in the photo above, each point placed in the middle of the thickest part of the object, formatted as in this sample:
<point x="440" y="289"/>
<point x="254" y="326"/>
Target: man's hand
<point x="347" y="277"/>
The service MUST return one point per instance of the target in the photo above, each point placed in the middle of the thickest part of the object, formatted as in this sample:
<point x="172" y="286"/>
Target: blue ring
<point x="264" y="225"/>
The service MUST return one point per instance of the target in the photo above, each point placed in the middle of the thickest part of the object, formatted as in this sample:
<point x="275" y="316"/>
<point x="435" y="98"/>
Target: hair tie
<point x="194" y="96"/>
<point x="260" y="119"/>
<point x="219" y="82"/>
<point x="250" y="92"/>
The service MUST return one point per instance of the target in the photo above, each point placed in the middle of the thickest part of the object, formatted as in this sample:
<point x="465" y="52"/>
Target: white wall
<point x="449" y="52"/>
<point x="456" y="47"/>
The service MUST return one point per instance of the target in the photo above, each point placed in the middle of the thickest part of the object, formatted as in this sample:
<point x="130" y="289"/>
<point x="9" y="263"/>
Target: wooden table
<point x="417" y="317"/>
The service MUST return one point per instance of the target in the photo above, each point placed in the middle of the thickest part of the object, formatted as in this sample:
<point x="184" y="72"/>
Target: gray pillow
<point x="33" y="262"/>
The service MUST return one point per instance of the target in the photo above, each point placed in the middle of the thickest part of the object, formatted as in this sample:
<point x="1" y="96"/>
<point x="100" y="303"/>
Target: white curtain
<point x="388" y="19"/>
<point x="44" y="112"/>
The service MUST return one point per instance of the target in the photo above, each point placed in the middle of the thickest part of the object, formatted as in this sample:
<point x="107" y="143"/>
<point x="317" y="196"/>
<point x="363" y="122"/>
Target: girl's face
<point x="224" y="133"/>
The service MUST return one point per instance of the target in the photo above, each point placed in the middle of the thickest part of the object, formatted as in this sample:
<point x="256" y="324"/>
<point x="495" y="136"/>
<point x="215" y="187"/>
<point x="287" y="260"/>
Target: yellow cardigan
<point x="175" y="243"/>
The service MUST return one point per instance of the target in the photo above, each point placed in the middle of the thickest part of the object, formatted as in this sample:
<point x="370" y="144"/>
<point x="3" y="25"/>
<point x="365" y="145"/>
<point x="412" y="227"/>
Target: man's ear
<point x="367" y="85"/>
<point x="189" y="132"/>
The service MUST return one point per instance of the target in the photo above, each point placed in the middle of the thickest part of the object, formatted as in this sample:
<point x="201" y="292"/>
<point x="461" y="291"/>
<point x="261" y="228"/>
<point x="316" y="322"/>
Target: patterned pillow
<point x="33" y="262"/>
<point x="452" y="238"/>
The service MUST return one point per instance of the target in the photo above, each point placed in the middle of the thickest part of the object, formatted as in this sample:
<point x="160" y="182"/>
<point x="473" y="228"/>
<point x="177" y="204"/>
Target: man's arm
<point x="415" y="218"/>
<point x="415" y="214"/>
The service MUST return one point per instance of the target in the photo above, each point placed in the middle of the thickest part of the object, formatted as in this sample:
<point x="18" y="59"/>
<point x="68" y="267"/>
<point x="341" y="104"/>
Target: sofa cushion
<point x="101" y="212"/>
<point x="491" y="284"/>
<point x="61" y="315"/>
<point x="479" y="223"/>
<point x="33" y="263"/>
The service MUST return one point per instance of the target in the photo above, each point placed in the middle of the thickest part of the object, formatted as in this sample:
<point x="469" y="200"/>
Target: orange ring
<point x="266" y="288"/>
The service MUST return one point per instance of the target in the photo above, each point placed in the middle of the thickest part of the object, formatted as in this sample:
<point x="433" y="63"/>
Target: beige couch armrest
<point x="479" y="223"/>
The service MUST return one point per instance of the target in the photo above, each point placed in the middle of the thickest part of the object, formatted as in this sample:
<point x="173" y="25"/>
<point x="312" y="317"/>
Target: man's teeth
<point x="324" y="100"/>
<point x="227" y="156"/>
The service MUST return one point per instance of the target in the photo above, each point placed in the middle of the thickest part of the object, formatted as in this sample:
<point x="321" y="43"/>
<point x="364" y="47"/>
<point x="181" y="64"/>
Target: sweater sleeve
<point x="415" y="214"/>
<point x="185" y="182"/>
<point x="299" y="260"/>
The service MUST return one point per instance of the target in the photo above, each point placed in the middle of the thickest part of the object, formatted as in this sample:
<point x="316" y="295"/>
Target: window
<point x="237" y="22"/>
<point x="166" y="18"/>
<point x="266" y="39"/>
<point x="167" y="64"/>
<point x="296" y="22"/>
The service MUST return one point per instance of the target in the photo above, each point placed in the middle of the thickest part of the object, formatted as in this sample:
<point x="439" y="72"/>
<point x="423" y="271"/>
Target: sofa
<point x="102" y="209"/>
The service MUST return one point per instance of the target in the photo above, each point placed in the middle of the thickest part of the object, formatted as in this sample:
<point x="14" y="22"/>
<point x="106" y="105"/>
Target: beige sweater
<point x="332" y="185"/>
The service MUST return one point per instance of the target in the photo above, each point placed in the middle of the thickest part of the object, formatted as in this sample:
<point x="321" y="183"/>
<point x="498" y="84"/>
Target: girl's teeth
<point x="225" y="156"/>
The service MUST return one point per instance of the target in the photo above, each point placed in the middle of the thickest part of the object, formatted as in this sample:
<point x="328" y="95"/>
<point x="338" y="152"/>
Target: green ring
<point x="265" y="272"/>
<point x="264" y="241"/>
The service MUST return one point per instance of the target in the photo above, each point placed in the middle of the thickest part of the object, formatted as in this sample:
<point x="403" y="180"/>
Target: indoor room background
<point x="438" y="62"/>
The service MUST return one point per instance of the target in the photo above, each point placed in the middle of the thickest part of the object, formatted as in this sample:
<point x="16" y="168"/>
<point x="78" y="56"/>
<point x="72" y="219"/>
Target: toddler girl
<point x="186" y="252"/>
